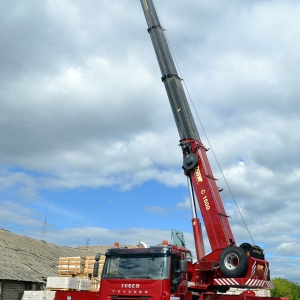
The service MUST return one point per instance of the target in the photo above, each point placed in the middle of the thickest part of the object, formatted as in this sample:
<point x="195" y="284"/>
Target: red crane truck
<point x="165" y="271"/>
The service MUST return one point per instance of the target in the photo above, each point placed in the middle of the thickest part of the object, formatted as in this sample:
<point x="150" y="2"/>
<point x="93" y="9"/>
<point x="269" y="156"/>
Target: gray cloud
<point x="80" y="88"/>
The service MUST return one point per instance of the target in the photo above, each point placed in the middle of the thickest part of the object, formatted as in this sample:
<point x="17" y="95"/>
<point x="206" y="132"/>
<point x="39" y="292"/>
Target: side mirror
<point x="97" y="257"/>
<point x="96" y="269"/>
<point x="96" y="265"/>
<point x="183" y="266"/>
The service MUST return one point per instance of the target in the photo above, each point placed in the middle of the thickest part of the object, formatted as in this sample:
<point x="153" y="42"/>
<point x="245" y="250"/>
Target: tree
<point x="285" y="288"/>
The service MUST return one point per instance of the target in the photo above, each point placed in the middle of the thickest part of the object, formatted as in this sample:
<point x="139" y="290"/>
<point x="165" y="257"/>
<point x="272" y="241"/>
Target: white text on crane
<point x="198" y="175"/>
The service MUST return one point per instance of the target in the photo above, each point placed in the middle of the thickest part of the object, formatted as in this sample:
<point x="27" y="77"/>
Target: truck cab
<point x="157" y="272"/>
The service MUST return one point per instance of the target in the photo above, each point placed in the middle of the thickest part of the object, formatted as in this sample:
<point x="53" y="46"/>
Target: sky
<point x="89" y="147"/>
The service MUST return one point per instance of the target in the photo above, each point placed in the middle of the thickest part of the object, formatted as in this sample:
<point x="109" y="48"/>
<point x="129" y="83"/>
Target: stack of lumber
<point x="89" y="264"/>
<point x="76" y="273"/>
<point x="71" y="266"/>
<point x="89" y="269"/>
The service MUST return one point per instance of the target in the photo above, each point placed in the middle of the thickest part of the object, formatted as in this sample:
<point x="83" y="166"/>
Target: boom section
<point x="183" y="117"/>
<point x="195" y="161"/>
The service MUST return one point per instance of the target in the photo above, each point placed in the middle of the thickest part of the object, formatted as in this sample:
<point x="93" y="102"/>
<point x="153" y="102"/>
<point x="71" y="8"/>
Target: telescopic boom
<point x="195" y="162"/>
<point x="227" y="265"/>
<point x="180" y="108"/>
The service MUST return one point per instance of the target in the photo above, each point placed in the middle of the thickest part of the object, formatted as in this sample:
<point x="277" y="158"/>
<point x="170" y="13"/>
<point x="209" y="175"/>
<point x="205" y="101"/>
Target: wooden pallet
<point x="89" y="264"/>
<point x="95" y="284"/>
<point x="81" y="268"/>
<point x="71" y="266"/>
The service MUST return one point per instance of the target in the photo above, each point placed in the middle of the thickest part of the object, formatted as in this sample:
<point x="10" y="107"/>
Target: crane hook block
<point x="190" y="161"/>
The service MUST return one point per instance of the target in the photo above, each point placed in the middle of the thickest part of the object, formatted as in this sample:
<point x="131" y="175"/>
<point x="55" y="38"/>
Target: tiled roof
<point x="26" y="259"/>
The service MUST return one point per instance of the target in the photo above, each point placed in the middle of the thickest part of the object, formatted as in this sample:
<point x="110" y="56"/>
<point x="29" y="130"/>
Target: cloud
<point x="156" y="210"/>
<point x="13" y="213"/>
<point x="186" y="204"/>
<point x="83" y="107"/>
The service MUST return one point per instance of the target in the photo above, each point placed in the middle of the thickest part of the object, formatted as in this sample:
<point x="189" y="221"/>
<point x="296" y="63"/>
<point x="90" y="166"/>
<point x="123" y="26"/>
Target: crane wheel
<point x="233" y="262"/>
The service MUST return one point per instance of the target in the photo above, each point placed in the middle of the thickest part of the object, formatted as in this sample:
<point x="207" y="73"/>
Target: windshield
<point x="146" y="266"/>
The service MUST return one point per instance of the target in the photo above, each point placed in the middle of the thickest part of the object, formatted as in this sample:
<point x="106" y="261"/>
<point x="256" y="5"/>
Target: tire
<point x="233" y="262"/>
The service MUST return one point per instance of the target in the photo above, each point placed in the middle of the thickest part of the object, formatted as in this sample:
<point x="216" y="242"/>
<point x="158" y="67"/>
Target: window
<point x="176" y="277"/>
<point x="146" y="266"/>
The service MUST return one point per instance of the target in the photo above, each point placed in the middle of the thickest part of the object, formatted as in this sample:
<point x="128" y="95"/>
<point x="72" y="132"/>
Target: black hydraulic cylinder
<point x="181" y="111"/>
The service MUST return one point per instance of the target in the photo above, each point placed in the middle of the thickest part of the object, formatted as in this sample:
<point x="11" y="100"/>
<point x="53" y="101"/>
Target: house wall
<point x="13" y="290"/>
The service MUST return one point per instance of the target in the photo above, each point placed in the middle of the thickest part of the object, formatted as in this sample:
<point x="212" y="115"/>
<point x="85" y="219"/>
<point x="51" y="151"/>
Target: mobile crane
<point x="166" y="271"/>
<point x="227" y="264"/>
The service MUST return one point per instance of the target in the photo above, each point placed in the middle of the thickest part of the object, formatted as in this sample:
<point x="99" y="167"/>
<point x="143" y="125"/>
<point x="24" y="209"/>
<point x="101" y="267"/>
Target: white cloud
<point x="13" y="213"/>
<point x="82" y="105"/>
<point x="186" y="204"/>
